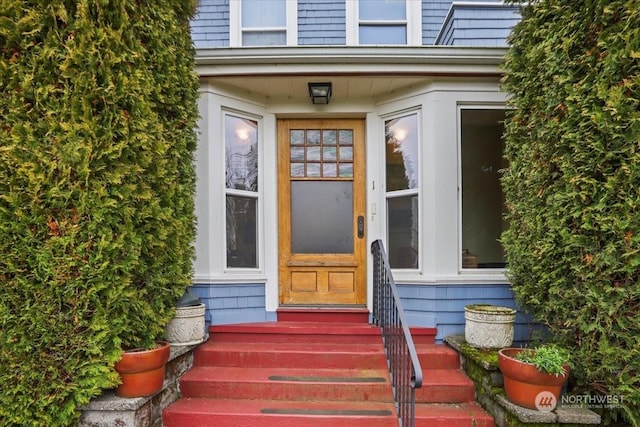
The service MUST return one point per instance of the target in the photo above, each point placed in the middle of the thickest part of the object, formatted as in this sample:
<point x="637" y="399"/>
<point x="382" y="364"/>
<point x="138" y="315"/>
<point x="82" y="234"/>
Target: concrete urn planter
<point x="489" y="326"/>
<point x="187" y="327"/>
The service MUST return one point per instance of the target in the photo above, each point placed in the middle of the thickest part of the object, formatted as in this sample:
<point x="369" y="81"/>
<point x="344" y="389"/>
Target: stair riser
<point x="195" y="420"/>
<point x="289" y="391"/>
<point x="445" y="393"/>
<point x="297" y="338"/>
<point x="259" y="359"/>
<point x="438" y="357"/>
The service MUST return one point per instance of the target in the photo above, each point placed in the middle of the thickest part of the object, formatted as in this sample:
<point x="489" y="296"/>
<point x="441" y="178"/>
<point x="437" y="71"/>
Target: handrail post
<point x="402" y="357"/>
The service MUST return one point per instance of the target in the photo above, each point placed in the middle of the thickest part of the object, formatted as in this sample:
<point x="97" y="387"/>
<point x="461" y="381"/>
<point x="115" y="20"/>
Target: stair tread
<point x="279" y="347"/>
<point x="435" y="377"/>
<point x="340" y="328"/>
<point x="248" y="374"/>
<point x="250" y="406"/>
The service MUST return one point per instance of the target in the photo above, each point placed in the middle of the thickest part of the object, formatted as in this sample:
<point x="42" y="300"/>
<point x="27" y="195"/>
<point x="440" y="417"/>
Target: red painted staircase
<point x="297" y="373"/>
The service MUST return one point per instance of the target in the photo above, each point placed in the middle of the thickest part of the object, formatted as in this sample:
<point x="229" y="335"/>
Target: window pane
<point x="402" y="217"/>
<point x="322" y="217"/>
<point x="402" y="162"/>
<point x="242" y="232"/>
<point x="241" y="153"/>
<point x="263" y="13"/>
<point x="264" y="38"/>
<point x="382" y="10"/>
<point x="383" y="34"/>
<point x="482" y="199"/>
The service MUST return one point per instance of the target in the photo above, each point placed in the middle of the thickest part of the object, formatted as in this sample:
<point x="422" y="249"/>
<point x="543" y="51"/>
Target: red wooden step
<point x="467" y="414"/>
<point x="437" y="356"/>
<point x="323" y="314"/>
<point x="291" y="355"/>
<point x="287" y="384"/>
<point x="445" y="386"/>
<point x="303" y="332"/>
<point x="267" y="413"/>
<point x="325" y="374"/>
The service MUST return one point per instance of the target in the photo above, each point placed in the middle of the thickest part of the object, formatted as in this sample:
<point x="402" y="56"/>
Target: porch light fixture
<point x="320" y="93"/>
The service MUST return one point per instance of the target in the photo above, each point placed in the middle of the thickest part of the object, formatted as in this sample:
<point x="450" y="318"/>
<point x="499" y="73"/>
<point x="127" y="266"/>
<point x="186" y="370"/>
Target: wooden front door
<point x="321" y="226"/>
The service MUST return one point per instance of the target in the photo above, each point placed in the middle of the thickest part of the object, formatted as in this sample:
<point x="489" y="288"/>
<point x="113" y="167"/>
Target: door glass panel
<point x="346" y="137"/>
<point x="403" y="231"/>
<point x="346" y="170"/>
<point x="328" y="137"/>
<point x="242" y="233"/>
<point x="322" y="217"/>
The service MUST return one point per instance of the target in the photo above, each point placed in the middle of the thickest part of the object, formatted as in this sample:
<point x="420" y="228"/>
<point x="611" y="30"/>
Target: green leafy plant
<point x="99" y="109"/>
<point x="571" y="188"/>
<point x="548" y="358"/>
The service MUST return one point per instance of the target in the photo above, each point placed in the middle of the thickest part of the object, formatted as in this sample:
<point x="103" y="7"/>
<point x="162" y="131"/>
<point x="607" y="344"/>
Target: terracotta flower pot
<point x="142" y="371"/>
<point x="523" y="381"/>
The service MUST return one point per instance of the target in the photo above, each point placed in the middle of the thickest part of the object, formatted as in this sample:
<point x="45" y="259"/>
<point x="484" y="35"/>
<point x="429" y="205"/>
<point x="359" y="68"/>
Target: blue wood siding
<point x="433" y="14"/>
<point x="233" y="303"/>
<point x="442" y="307"/>
<point x="210" y="27"/>
<point x="478" y="25"/>
<point x="321" y="22"/>
<point x="439" y="306"/>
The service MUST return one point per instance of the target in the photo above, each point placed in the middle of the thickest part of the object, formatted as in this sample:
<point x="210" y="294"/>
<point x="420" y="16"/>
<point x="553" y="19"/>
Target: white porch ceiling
<point x="345" y="88"/>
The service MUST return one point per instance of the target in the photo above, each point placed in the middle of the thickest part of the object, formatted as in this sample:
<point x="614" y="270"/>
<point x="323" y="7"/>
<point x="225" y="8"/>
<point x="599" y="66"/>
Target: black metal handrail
<point x="402" y="358"/>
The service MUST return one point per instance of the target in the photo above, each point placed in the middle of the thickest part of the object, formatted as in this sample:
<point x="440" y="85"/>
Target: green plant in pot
<point x="528" y="372"/>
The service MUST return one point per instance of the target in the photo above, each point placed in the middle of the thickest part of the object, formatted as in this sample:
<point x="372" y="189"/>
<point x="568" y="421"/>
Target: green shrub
<point x="572" y="187"/>
<point x="98" y="112"/>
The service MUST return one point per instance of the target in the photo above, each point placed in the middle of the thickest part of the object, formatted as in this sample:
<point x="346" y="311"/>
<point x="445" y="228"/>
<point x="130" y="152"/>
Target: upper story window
<point x="483" y="204"/>
<point x="263" y="22"/>
<point x="402" y="166"/>
<point x="384" y="22"/>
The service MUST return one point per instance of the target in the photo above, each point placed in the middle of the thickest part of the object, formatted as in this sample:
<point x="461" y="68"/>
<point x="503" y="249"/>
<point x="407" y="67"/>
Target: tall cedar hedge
<point x="98" y="108"/>
<point x="573" y="186"/>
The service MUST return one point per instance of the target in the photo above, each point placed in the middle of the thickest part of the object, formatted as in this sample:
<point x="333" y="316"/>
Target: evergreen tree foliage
<point x="97" y="136"/>
<point x="573" y="186"/>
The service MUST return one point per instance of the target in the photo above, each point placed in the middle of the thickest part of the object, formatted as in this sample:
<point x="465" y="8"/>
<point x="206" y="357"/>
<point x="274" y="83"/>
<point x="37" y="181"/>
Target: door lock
<point x="360" y="227"/>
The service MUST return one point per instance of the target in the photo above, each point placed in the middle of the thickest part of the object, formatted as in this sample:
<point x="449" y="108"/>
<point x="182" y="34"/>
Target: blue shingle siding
<point x="210" y="27"/>
<point x="442" y="306"/>
<point x="433" y="14"/>
<point x="233" y="303"/>
<point x="321" y="22"/>
<point x="478" y="25"/>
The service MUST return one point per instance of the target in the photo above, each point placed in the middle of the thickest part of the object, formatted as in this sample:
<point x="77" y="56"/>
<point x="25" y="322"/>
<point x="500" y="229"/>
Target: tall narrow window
<point x="241" y="161"/>
<point x="482" y="198"/>
<point x="264" y="23"/>
<point x="382" y="22"/>
<point x="402" y="195"/>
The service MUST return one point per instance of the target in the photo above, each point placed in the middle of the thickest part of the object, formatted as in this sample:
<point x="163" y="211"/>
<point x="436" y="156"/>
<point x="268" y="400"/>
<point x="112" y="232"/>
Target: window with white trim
<point x="402" y="185"/>
<point x="384" y="22"/>
<point x="241" y="191"/>
<point x="263" y="22"/>
<point x="483" y="204"/>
